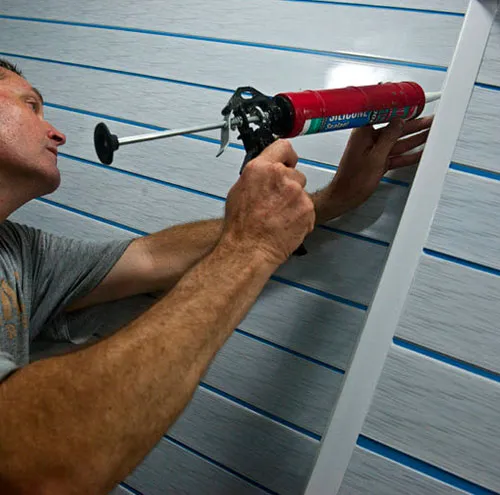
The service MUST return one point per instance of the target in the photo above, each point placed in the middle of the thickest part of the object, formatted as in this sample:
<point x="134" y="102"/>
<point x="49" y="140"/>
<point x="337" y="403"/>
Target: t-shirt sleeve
<point x="64" y="270"/>
<point x="7" y="365"/>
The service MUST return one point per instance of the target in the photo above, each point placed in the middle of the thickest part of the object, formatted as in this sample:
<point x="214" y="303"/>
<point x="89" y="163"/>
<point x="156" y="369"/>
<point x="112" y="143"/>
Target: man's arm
<point x="156" y="262"/>
<point x="79" y="423"/>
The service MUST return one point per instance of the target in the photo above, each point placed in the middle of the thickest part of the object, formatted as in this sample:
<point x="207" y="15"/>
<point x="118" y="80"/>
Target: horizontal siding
<point x="489" y="73"/>
<point x="454" y="310"/>
<point x="369" y="473"/>
<point x="201" y="62"/>
<point x="478" y="145"/>
<point x="444" y="6"/>
<point x="61" y="222"/>
<point x="466" y="221"/>
<point x="429" y="39"/>
<point x="254" y="423"/>
<point x="305" y="322"/>
<point x="170" y="468"/>
<point x="266" y="451"/>
<point x="439" y="414"/>
<point x="277" y="382"/>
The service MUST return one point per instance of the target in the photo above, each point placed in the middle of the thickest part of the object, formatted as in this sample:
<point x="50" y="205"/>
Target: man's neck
<point x="12" y="197"/>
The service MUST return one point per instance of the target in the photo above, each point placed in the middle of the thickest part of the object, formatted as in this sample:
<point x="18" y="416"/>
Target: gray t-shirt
<point x="40" y="275"/>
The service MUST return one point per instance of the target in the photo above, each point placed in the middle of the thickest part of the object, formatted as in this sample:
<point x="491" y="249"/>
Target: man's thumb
<point x="388" y="136"/>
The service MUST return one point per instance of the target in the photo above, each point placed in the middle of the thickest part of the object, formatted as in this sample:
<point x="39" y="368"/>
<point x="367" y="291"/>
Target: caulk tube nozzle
<point x="432" y="96"/>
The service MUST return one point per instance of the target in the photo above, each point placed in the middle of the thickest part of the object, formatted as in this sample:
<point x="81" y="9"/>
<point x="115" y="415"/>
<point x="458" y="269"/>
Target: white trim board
<point x="366" y="366"/>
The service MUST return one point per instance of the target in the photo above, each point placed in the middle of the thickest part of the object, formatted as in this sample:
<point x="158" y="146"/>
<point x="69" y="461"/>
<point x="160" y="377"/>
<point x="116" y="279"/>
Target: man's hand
<point x="267" y="209"/>
<point x="369" y="154"/>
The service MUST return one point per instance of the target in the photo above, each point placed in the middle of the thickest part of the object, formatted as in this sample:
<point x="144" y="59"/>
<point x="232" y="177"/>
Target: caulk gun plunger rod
<point x="170" y="133"/>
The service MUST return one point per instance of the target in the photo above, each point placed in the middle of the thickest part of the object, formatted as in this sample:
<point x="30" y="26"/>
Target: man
<point x="80" y="422"/>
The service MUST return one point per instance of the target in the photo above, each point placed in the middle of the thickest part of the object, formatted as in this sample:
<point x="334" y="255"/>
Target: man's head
<point x="28" y="143"/>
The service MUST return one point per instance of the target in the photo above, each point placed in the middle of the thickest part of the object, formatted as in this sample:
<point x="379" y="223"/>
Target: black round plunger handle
<point x="105" y="143"/>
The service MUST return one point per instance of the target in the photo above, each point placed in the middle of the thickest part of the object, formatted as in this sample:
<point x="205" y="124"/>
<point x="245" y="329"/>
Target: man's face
<point x="28" y="144"/>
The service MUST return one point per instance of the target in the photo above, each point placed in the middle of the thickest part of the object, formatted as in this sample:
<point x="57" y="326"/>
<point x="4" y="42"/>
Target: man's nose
<point x="57" y="136"/>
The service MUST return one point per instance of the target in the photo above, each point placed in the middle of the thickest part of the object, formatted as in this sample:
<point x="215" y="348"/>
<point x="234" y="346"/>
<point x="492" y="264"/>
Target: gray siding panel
<point x="170" y="469"/>
<point x="284" y="385"/>
<point x="454" y="310"/>
<point x="439" y="414"/>
<point x="428" y="38"/>
<point x="305" y="322"/>
<point x="489" y="72"/>
<point x="466" y="220"/>
<point x="264" y="450"/>
<point x="452" y="6"/>
<point x="478" y="144"/>
<point x="66" y="223"/>
<point x="185" y="59"/>
<point x="372" y="474"/>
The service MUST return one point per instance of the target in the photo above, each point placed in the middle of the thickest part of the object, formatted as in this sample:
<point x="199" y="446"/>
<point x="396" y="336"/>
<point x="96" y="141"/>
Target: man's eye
<point x="34" y="105"/>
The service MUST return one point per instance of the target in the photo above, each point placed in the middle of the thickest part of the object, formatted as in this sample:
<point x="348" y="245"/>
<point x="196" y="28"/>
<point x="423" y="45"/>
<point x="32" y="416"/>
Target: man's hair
<point x="6" y="65"/>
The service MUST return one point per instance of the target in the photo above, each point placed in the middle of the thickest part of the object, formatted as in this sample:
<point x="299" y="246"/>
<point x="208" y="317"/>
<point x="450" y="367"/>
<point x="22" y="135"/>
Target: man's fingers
<point x="281" y="151"/>
<point x="361" y="138"/>
<point x="417" y="125"/>
<point x="388" y="137"/>
<point x="297" y="176"/>
<point x="404" y="145"/>
<point x="404" y="160"/>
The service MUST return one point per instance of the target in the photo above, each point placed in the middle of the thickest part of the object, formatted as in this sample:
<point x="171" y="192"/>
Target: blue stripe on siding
<point x="493" y="87"/>
<point x="421" y="466"/>
<point x="90" y="215"/>
<point x="383" y="7"/>
<point x="475" y="370"/>
<point x="130" y="488"/>
<point x="262" y="412"/>
<point x="460" y="261"/>
<point x="290" y="351"/>
<point x="467" y="169"/>
<point x="354" y="236"/>
<point x="144" y="177"/>
<point x="340" y="55"/>
<point x="319" y="292"/>
<point x="116" y="71"/>
<point x="218" y="464"/>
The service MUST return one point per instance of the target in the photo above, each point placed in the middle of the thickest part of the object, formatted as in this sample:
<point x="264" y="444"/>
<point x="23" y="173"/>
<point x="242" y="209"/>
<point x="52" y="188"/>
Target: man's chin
<point x="48" y="183"/>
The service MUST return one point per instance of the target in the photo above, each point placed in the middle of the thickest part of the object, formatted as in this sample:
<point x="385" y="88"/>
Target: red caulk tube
<point x="310" y="112"/>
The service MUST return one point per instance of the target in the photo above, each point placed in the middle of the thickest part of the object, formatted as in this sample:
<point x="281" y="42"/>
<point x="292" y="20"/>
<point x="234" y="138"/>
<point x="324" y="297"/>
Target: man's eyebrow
<point x="38" y="94"/>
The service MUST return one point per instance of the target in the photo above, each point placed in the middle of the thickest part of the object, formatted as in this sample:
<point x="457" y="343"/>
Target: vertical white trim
<point x="381" y="321"/>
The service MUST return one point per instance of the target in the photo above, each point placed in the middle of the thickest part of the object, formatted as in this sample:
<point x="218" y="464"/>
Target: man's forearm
<point x="81" y="422"/>
<point x="175" y="250"/>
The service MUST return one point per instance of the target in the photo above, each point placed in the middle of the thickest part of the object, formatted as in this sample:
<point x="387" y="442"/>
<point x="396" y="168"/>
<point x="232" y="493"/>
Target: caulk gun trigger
<point x="224" y="135"/>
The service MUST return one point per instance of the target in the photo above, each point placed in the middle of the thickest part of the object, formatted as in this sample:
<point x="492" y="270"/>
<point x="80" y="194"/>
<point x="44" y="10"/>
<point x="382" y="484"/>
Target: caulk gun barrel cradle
<point x="262" y="119"/>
